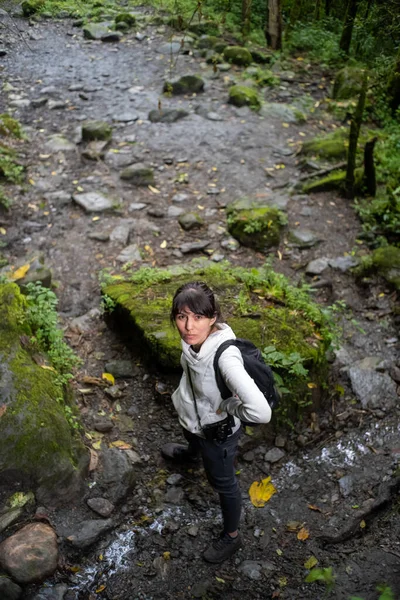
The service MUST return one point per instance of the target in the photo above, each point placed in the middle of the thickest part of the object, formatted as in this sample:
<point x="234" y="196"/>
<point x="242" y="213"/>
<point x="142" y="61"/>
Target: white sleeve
<point x="250" y="403"/>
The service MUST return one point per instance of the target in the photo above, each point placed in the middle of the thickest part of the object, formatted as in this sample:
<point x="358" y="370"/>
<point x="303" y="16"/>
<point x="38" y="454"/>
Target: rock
<point x="112" y="36"/>
<point x="191" y="247"/>
<point x="38" y="102"/>
<point x="95" y="150"/>
<point x="317" y="266"/>
<point x="55" y="592"/>
<point x="130" y="254"/>
<point x="101" y="506"/>
<point x="174" y="495"/>
<point x="274" y="455"/>
<point x="178" y="198"/>
<point x="343" y="263"/>
<point x="86" y="533"/>
<point x="238" y="56"/>
<point x="9" y="590"/>
<point x="120" y="234"/>
<point x="134" y="206"/>
<point x="262" y="57"/>
<point x="126" y="117"/>
<point x="58" y="143"/>
<point x="121" y="368"/>
<point x="348" y="83"/>
<point x="99" y="236"/>
<point x="241" y="95"/>
<point x="173" y="212"/>
<point x="56" y="104"/>
<point x="167" y="116"/>
<point x="138" y="174"/>
<point x="249" y="456"/>
<point x="8" y="517"/>
<point x="103" y="425"/>
<point x="31" y="554"/>
<point x="217" y="257"/>
<point x="169" y="48"/>
<point x="283" y="112"/>
<point x="251" y="569"/>
<point x="193" y="531"/>
<point x="86" y="322"/>
<point x="346" y="484"/>
<point x="394" y="373"/>
<point x="280" y="441"/>
<point x="210" y="115"/>
<point x="254" y="223"/>
<point x="174" y="478"/>
<point x="374" y="390"/>
<point x="59" y="198"/>
<point x="188" y="84"/>
<point x="384" y="261"/>
<point x="118" y="476"/>
<point x="96" y="130"/>
<point x="119" y="160"/>
<point x="93" y="201"/>
<point x="200" y="589"/>
<point x="303" y="238"/>
<point x="190" y="220"/>
<point x="95" y="31"/>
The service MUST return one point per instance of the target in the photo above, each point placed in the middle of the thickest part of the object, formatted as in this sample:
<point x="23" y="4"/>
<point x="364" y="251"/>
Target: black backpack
<point x="255" y="367"/>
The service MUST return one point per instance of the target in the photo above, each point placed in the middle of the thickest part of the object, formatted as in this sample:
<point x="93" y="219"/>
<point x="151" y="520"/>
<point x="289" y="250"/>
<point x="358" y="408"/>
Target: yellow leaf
<point x="286" y="125"/>
<point x="74" y="569"/>
<point x="79" y="189"/>
<point x="101" y="557"/>
<point x="164" y="244"/>
<point x="261" y="492"/>
<point x="363" y="524"/>
<point x="302" y="134"/>
<point x="108" y="377"/>
<point x="314" y="507"/>
<point x="100" y="589"/>
<point x="96" y="219"/>
<point x="97" y="445"/>
<point x="167" y="555"/>
<point x="21" y="272"/>
<point x="279" y="255"/>
<point x="310" y="562"/>
<point x="282" y="581"/>
<point x="220" y="580"/>
<point x="279" y="552"/>
<point x="311" y="385"/>
<point x="293" y="525"/>
<point x="120" y="444"/>
<point x="154" y="190"/>
<point x="303" y="534"/>
<point x="48" y="368"/>
<point x="3" y="231"/>
<point x="31" y="181"/>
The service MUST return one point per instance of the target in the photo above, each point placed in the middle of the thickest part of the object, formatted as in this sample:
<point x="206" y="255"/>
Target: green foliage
<point x="10" y="127"/>
<point x="264" y="77"/>
<point x="319" y="40"/>
<point x="107" y="304"/>
<point x="324" y="575"/>
<point x="282" y="364"/>
<point x="5" y="201"/>
<point x="10" y="169"/>
<point x="42" y="317"/>
<point x="385" y="593"/>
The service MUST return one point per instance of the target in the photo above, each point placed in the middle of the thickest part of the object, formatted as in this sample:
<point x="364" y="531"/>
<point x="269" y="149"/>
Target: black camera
<point x="219" y="431"/>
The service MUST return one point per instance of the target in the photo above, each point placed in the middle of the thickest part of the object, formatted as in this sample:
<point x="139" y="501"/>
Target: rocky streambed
<point x="139" y="530"/>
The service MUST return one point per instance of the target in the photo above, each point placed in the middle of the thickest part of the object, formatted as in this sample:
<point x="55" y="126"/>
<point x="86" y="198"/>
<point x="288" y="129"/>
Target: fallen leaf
<point x="100" y="589"/>
<point x="93" y="380"/>
<point x="97" y="445"/>
<point x="96" y="219"/>
<point x="293" y="525"/>
<point x="94" y="459"/>
<point x="363" y="524"/>
<point x="3" y="231"/>
<point x="21" y="272"/>
<point x="311" y="385"/>
<point x="310" y="562"/>
<point x="286" y="125"/>
<point x="303" y="534"/>
<point x="108" y="377"/>
<point x="154" y="190"/>
<point x="282" y="581"/>
<point x="164" y="244"/>
<point x="279" y="255"/>
<point x="279" y="552"/>
<point x="120" y="444"/>
<point x="167" y="555"/>
<point x="48" y="368"/>
<point x="261" y="492"/>
<point x="220" y="580"/>
<point x="79" y="188"/>
<point x="31" y="181"/>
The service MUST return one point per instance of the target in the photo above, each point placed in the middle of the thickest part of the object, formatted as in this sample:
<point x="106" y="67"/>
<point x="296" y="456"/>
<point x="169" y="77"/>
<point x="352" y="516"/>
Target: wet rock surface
<point x="341" y="459"/>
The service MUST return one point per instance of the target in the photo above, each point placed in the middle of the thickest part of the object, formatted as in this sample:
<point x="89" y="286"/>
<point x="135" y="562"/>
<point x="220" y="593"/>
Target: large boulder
<point x="348" y="83"/>
<point x="37" y="442"/>
<point x="96" y="130"/>
<point x="241" y="95"/>
<point x="238" y="56"/>
<point x="255" y="223"/>
<point x="188" y="84"/>
<point x="259" y="305"/>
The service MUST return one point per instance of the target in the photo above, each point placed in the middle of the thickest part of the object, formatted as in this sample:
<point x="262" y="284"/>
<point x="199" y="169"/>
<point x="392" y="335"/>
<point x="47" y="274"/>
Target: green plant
<point x="10" y="127"/>
<point x="324" y="575"/>
<point x="385" y="593"/>
<point x="264" y="77"/>
<point x="291" y="363"/>
<point x="42" y="318"/>
<point x="107" y="304"/>
<point x="9" y="167"/>
<point x="5" y="201"/>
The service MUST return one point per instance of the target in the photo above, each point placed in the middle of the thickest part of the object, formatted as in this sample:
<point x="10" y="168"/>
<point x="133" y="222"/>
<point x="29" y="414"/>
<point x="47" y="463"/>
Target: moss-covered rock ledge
<point x="259" y="305"/>
<point x="37" y="445"/>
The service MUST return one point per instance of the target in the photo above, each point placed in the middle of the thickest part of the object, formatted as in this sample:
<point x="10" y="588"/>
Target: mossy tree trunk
<point x="246" y="17"/>
<point x="274" y="28"/>
<point x="369" y="178"/>
<point x="294" y="16"/>
<point x="353" y="139"/>
<point x="394" y="87"/>
<point x="348" y="24"/>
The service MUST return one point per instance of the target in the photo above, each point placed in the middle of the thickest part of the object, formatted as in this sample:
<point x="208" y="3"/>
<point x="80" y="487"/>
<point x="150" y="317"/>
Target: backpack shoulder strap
<point x="223" y="388"/>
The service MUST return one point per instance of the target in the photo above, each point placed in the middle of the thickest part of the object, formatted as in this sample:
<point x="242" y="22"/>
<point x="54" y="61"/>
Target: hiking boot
<point x="178" y="453"/>
<point x="222" y="548"/>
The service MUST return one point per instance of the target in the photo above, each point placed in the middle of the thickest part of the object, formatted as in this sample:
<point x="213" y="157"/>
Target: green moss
<point x="385" y="262"/>
<point x="240" y="95"/>
<point x="127" y="18"/>
<point x="258" y="227"/>
<point x="348" y="83"/>
<point x="30" y="7"/>
<point x="238" y="56"/>
<point x="10" y="168"/>
<point x="332" y="146"/>
<point x="10" y="127"/>
<point x="188" y="84"/>
<point x="333" y="181"/>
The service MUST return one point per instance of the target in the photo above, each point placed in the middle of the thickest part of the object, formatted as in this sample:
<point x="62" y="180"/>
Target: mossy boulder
<point x="259" y="305"/>
<point x="127" y="18"/>
<point x="348" y="83"/>
<point x="238" y="56"/>
<point x="10" y="127"/>
<point x="204" y="28"/>
<point x="261" y="57"/>
<point x="255" y="224"/>
<point x="30" y="7"/>
<point x="332" y="146"/>
<point x="96" y="31"/>
<point x="188" y="84"/>
<point x="96" y="130"/>
<point x="385" y="262"/>
<point x="207" y="41"/>
<point x="138" y="174"/>
<point x="37" y="445"/>
<point x="285" y="112"/>
<point x="241" y="95"/>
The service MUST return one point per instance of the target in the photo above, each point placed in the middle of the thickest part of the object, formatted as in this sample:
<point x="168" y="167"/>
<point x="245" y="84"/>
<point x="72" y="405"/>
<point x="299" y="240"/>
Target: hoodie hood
<point x="209" y="346"/>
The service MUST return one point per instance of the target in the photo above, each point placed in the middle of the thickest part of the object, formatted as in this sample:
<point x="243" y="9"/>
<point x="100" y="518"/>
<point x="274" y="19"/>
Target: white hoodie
<point x="247" y="402"/>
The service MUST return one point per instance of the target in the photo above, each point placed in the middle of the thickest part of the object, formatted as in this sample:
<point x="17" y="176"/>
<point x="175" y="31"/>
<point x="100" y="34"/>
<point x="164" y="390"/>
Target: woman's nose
<point x="189" y="324"/>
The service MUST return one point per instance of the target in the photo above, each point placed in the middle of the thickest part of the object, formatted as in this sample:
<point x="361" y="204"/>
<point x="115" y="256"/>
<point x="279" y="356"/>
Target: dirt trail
<point x="104" y="81"/>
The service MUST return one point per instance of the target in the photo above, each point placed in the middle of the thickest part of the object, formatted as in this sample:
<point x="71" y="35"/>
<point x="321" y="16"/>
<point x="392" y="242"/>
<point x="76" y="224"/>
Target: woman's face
<point x="194" y="329"/>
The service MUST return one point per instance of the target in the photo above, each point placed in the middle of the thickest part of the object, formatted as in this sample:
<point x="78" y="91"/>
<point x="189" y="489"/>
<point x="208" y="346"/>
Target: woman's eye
<point x="198" y="317"/>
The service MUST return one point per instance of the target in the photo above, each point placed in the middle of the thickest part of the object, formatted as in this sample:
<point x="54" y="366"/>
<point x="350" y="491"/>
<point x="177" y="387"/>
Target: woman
<point x="212" y="425"/>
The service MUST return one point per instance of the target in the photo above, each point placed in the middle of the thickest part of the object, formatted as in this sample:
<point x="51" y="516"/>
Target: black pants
<point x="218" y="459"/>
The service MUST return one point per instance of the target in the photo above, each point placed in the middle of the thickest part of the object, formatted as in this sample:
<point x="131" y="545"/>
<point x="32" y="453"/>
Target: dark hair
<point x="199" y="298"/>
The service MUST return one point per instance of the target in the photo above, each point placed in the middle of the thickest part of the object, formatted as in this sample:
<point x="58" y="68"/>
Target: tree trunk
<point x="369" y="6"/>
<point x="328" y="4"/>
<point x="369" y="179"/>
<point x="246" y="17"/>
<point x="393" y="90"/>
<point x="353" y="139"/>
<point x="275" y="24"/>
<point x="294" y="16"/>
<point x="317" y="12"/>
<point x="348" y="24"/>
